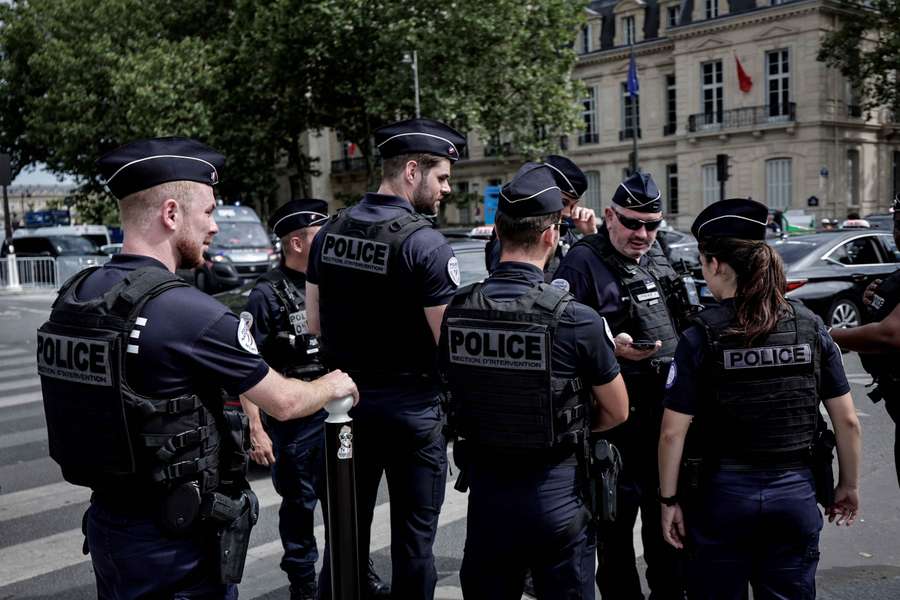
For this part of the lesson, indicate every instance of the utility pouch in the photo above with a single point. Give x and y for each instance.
(238, 516)
(606, 462)
(181, 508)
(460, 459)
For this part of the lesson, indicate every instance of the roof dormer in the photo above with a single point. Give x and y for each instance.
(629, 15)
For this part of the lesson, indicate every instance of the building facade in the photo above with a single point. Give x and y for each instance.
(792, 128)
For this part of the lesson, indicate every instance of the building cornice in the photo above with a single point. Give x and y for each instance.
(647, 48)
(767, 14)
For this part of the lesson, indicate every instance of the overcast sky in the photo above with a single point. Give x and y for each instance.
(39, 176)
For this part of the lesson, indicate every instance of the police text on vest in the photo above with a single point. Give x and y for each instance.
(498, 349)
(355, 253)
(79, 360)
(771, 356)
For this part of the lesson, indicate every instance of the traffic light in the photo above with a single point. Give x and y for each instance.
(721, 167)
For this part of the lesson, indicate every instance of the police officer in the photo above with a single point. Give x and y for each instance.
(378, 283)
(515, 350)
(577, 221)
(750, 374)
(878, 342)
(131, 362)
(293, 448)
(622, 273)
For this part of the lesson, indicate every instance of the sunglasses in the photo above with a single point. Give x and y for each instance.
(635, 224)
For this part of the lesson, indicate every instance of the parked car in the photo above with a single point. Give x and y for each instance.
(881, 221)
(111, 249)
(829, 271)
(98, 234)
(53, 246)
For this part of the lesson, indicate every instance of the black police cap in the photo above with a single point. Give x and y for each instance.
(297, 214)
(531, 192)
(419, 136)
(142, 164)
(735, 218)
(569, 178)
(639, 192)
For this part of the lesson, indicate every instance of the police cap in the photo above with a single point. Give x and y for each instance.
(639, 192)
(298, 214)
(419, 136)
(531, 192)
(142, 164)
(569, 178)
(736, 218)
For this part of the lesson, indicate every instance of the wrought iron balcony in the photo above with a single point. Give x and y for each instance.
(628, 133)
(348, 165)
(743, 117)
(588, 138)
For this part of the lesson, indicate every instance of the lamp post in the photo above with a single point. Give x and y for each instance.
(413, 59)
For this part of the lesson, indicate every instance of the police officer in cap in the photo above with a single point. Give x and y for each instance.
(379, 280)
(878, 342)
(750, 375)
(577, 220)
(133, 362)
(293, 448)
(515, 345)
(622, 273)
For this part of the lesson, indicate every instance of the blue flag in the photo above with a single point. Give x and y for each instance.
(633, 86)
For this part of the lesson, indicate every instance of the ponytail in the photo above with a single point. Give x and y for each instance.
(761, 282)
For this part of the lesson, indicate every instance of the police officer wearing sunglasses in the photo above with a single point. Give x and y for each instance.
(623, 274)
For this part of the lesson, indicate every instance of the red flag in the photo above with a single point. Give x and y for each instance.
(744, 81)
(351, 149)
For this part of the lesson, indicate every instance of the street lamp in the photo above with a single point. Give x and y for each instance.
(413, 59)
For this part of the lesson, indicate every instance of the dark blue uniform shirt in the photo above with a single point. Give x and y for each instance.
(189, 338)
(492, 248)
(266, 309)
(590, 281)
(686, 378)
(425, 254)
(583, 346)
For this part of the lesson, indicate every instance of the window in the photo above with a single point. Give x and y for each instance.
(673, 15)
(852, 177)
(860, 251)
(712, 9)
(628, 28)
(672, 188)
(710, 184)
(711, 93)
(592, 197)
(631, 115)
(671, 115)
(585, 39)
(893, 254)
(778, 83)
(589, 116)
(778, 183)
(854, 102)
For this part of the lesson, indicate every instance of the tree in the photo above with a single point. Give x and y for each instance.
(866, 50)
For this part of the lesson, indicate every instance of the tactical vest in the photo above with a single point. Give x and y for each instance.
(103, 433)
(883, 365)
(645, 291)
(497, 359)
(371, 325)
(758, 404)
(290, 348)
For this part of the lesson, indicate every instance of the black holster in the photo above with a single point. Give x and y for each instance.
(822, 457)
(236, 517)
(460, 459)
(605, 464)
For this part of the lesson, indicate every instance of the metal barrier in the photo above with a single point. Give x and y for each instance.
(46, 272)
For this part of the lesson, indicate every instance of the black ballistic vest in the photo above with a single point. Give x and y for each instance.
(371, 325)
(496, 357)
(104, 434)
(290, 349)
(883, 367)
(645, 291)
(759, 403)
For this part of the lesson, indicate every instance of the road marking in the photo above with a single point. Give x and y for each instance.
(7, 373)
(27, 359)
(20, 383)
(41, 499)
(17, 399)
(19, 438)
(13, 351)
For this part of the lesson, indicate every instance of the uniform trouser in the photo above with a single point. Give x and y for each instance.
(617, 576)
(299, 478)
(519, 521)
(893, 408)
(134, 559)
(407, 447)
(760, 528)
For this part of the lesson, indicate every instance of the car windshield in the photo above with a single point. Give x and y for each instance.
(73, 244)
(240, 235)
(471, 266)
(793, 250)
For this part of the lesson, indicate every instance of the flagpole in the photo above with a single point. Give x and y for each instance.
(634, 110)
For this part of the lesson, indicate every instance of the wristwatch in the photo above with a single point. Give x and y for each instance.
(667, 500)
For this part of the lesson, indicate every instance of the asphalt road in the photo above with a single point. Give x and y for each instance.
(40, 514)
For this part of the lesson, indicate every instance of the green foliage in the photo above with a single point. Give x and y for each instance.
(866, 49)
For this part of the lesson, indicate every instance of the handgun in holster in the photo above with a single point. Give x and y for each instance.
(821, 459)
(606, 463)
(461, 460)
(236, 517)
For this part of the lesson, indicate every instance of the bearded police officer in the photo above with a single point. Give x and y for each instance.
(747, 380)
(131, 363)
(622, 273)
(293, 448)
(378, 283)
(878, 342)
(577, 220)
(531, 372)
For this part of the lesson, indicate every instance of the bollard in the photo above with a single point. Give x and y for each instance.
(12, 271)
(343, 538)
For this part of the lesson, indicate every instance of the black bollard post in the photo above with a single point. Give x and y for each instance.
(343, 538)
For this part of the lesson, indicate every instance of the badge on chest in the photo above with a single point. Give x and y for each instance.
(299, 322)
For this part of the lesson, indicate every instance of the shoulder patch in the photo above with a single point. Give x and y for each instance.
(673, 374)
(453, 270)
(244, 335)
(561, 284)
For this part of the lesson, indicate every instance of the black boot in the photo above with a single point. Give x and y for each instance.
(378, 590)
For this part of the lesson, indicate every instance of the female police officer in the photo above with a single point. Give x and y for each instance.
(750, 374)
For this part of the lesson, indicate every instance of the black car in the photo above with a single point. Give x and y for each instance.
(829, 271)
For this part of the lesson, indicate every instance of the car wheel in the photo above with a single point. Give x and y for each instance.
(843, 313)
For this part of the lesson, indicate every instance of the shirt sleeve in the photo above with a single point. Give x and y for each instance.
(595, 346)
(589, 281)
(434, 265)
(684, 372)
(832, 378)
(315, 252)
(259, 306)
(219, 356)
